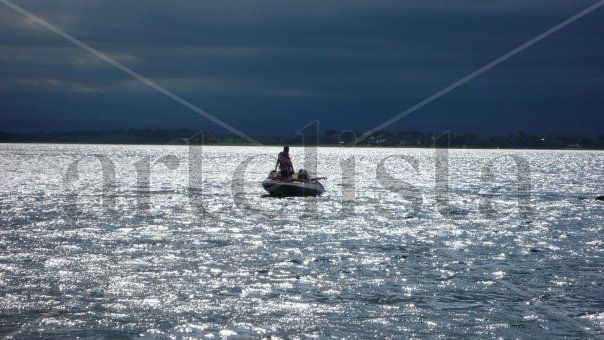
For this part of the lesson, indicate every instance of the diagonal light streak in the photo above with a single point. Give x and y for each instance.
(128, 71)
(481, 70)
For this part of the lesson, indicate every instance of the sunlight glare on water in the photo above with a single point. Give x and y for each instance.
(79, 257)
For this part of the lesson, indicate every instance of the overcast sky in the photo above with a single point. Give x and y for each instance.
(269, 67)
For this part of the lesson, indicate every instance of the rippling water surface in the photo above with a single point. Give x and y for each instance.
(87, 247)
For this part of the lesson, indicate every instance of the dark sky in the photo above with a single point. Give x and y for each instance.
(269, 67)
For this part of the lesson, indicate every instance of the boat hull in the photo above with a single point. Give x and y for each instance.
(278, 188)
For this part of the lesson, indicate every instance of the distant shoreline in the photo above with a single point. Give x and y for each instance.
(410, 140)
(300, 146)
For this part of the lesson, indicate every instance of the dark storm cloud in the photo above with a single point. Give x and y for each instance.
(352, 64)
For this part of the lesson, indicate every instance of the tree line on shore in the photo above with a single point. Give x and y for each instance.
(518, 140)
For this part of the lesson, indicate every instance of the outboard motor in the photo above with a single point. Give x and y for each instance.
(302, 174)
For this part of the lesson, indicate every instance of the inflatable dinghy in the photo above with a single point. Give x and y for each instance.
(295, 185)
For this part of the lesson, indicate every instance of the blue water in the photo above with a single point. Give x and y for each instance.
(206, 253)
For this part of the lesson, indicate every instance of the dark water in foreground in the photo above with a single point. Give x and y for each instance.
(373, 266)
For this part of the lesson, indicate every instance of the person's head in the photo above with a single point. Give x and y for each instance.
(286, 149)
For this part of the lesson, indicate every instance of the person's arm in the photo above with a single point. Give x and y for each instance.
(277, 165)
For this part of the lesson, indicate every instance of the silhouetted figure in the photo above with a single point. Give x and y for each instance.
(285, 163)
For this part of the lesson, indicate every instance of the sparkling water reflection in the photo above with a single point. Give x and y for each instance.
(78, 258)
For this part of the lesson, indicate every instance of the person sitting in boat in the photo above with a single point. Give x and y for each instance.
(285, 163)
